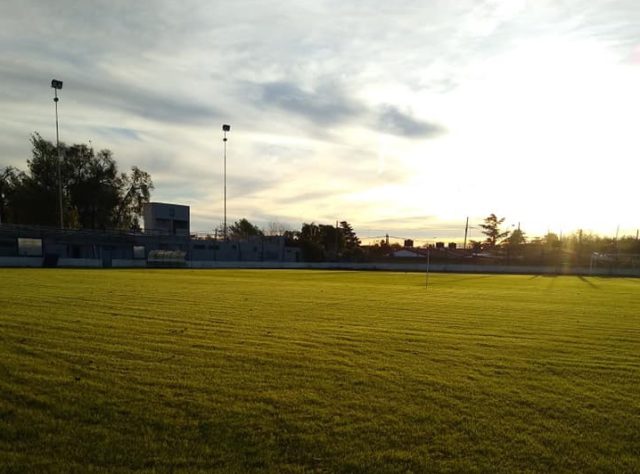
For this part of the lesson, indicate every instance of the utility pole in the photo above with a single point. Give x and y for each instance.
(466, 231)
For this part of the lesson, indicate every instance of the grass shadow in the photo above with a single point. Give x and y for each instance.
(470, 277)
(584, 280)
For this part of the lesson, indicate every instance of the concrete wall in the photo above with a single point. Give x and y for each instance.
(398, 267)
(23, 262)
(252, 250)
(122, 263)
(79, 263)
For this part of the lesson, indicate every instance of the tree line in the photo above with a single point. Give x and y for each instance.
(515, 247)
(317, 242)
(516, 242)
(95, 194)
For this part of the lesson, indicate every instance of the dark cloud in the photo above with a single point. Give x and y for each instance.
(324, 106)
(396, 122)
(242, 186)
(146, 103)
(329, 104)
(301, 197)
(118, 132)
(103, 92)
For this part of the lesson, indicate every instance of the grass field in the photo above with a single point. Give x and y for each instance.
(310, 371)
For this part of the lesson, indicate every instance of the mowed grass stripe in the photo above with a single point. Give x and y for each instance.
(291, 371)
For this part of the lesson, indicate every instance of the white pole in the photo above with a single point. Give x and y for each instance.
(224, 225)
(426, 282)
(55, 100)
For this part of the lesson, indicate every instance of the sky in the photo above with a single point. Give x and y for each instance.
(403, 118)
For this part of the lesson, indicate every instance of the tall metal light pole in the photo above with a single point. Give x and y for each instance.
(58, 85)
(225, 128)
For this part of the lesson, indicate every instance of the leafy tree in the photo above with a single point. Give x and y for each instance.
(8, 181)
(135, 190)
(311, 242)
(351, 242)
(491, 228)
(551, 240)
(95, 194)
(475, 245)
(91, 184)
(277, 229)
(320, 242)
(516, 239)
(243, 229)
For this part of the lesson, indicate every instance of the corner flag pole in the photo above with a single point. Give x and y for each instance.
(426, 281)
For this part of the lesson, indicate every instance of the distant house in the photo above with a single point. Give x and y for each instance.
(407, 253)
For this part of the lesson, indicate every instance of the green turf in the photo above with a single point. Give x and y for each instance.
(309, 371)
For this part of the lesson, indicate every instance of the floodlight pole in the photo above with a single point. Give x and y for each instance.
(225, 128)
(55, 84)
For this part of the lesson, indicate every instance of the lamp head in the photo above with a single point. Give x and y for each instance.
(226, 128)
(56, 84)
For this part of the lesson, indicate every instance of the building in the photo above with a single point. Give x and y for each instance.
(163, 218)
(49, 246)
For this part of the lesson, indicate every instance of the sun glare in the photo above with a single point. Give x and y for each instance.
(545, 130)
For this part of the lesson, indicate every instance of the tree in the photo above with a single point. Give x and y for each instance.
(243, 229)
(320, 242)
(552, 240)
(91, 184)
(276, 229)
(135, 189)
(351, 242)
(94, 193)
(491, 228)
(9, 178)
(310, 242)
(516, 239)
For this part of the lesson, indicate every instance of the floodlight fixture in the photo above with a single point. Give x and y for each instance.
(56, 84)
(225, 127)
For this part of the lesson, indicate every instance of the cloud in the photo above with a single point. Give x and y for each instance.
(117, 133)
(324, 106)
(144, 102)
(329, 104)
(392, 120)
